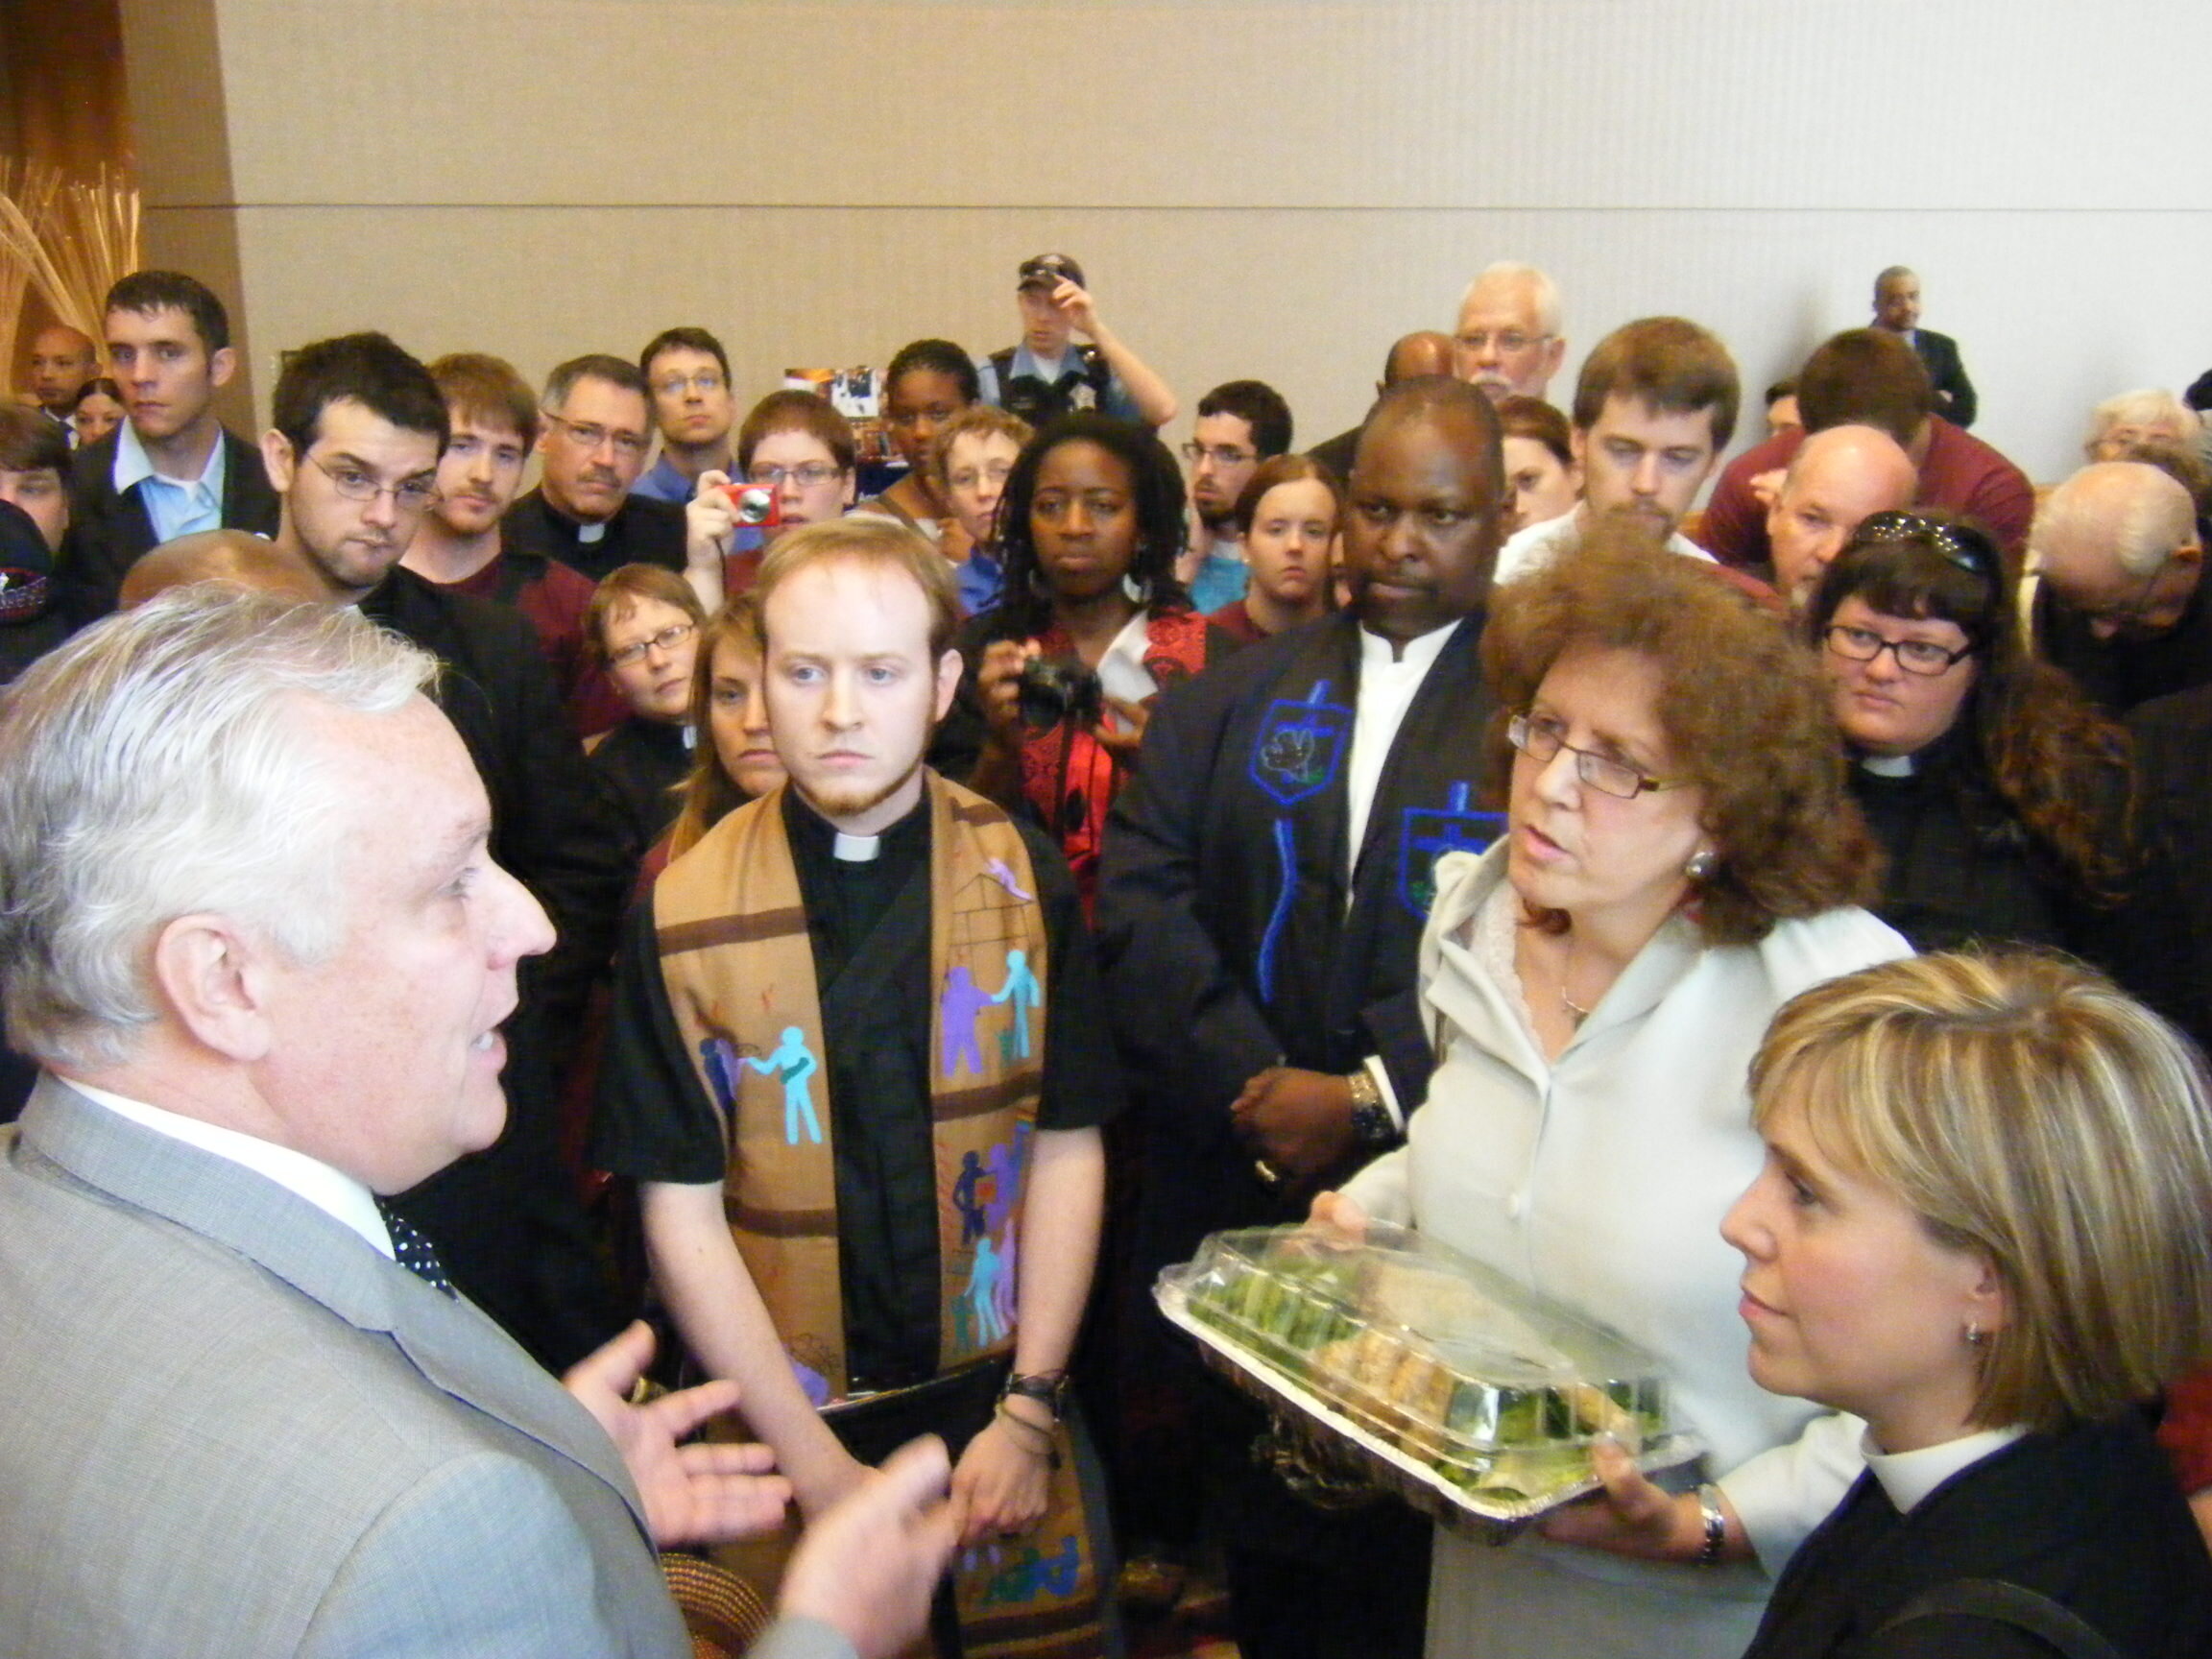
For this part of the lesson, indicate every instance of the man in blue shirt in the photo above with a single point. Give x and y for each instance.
(692, 403)
(170, 468)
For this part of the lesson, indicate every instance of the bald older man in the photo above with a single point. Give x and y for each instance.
(1837, 480)
(238, 558)
(61, 360)
(2121, 603)
(1411, 356)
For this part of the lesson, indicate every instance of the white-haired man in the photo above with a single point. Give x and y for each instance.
(247, 1414)
(1508, 332)
(2121, 603)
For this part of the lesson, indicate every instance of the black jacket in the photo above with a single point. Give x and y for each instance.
(108, 533)
(642, 532)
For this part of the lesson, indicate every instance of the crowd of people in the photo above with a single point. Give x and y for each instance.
(866, 918)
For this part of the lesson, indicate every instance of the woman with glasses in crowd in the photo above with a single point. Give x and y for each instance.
(1997, 1294)
(1998, 793)
(1678, 861)
(642, 629)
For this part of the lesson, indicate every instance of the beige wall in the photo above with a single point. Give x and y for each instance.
(1271, 189)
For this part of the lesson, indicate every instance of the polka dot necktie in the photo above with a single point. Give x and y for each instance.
(415, 1253)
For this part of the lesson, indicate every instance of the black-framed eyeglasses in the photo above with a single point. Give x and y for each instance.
(1220, 454)
(415, 494)
(1541, 739)
(589, 435)
(1961, 544)
(1914, 656)
(668, 639)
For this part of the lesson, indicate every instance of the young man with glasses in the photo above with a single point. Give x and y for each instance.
(1240, 423)
(688, 375)
(359, 427)
(598, 415)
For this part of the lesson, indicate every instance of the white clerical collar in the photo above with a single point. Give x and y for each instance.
(1908, 1476)
(337, 1194)
(590, 533)
(1377, 652)
(856, 849)
(1887, 765)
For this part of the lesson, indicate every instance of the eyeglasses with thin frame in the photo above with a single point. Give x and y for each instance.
(1914, 656)
(668, 639)
(1220, 454)
(589, 434)
(1541, 739)
(414, 494)
(1508, 340)
(2129, 613)
(706, 382)
(808, 474)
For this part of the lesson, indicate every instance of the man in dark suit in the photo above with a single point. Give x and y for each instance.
(1267, 876)
(1897, 308)
(170, 468)
(598, 426)
(248, 1414)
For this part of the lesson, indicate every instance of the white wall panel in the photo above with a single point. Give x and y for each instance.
(1275, 190)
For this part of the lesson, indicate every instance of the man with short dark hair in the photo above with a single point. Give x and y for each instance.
(35, 486)
(1870, 377)
(61, 360)
(248, 1413)
(1240, 423)
(170, 468)
(1266, 874)
(359, 425)
(598, 426)
(694, 405)
(1048, 375)
(461, 544)
(1654, 406)
(1898, 309)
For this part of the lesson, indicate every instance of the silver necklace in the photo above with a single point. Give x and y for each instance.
(1574, 1010)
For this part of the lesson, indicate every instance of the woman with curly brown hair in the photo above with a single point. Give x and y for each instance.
(1679, 860)
(1997, 791)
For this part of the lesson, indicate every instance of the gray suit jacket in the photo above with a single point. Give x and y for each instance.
(235, 1429)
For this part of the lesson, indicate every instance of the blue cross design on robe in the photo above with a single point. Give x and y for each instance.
(1299, 748)
(1426, 834)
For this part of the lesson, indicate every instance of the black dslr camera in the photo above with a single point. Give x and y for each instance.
(1056, 690)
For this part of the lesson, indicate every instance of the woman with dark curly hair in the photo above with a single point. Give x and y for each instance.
(1997, 791)
(1679, 860)
(1090, 624)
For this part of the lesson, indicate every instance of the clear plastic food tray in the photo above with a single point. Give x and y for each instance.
(1434, 1376)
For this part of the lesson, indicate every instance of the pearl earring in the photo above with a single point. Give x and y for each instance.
(1703, 863)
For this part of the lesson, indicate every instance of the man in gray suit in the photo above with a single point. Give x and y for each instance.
(249, 925)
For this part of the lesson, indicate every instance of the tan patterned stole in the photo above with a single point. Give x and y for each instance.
(740, 976)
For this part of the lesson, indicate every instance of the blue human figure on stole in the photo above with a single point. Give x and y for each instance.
(794, 1064)
(1024, 993)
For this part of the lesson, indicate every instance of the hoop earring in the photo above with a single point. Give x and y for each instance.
(1702, 864)
(1139, 593)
